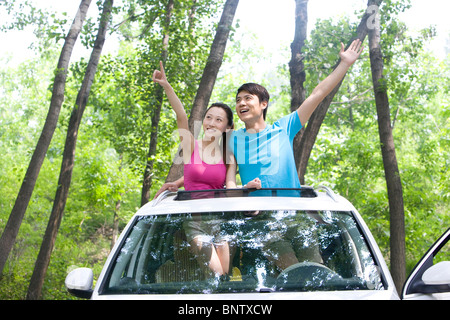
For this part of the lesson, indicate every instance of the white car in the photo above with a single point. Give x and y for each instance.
(279, 244)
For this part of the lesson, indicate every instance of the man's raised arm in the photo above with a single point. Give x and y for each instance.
(348, 57)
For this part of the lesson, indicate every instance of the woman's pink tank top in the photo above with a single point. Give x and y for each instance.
(199, 175)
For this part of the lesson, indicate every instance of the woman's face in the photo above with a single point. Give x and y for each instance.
(215, 122)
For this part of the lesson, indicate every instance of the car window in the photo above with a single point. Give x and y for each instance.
(443, 254)
(238, 252)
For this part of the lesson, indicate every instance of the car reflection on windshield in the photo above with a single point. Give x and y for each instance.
(243, 251)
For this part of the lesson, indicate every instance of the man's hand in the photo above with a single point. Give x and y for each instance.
(255, 183)
(350, 55)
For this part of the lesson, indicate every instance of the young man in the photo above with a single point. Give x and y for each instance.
(265, 151)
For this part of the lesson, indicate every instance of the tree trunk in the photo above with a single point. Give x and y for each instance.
(393, 181)
(304, 145)
(296, 66)
(43, 259)
(23, 198)
(156, 116)
(208, 79)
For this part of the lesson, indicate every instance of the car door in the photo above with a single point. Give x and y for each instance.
(430, 278)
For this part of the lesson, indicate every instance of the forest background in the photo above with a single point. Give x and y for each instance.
(115, 130)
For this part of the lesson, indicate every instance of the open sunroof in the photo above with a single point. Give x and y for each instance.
(303, 192)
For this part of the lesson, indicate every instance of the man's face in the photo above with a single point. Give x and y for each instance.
(248, 107)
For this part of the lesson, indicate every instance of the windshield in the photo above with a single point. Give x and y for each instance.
(238, 252)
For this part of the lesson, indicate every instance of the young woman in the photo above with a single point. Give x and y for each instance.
(205, 167)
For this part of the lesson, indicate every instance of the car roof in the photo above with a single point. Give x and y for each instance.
(320, 198)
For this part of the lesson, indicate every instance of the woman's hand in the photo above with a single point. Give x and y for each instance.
(159, 76)
(166, 186)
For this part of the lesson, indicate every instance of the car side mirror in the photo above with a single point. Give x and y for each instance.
(428, 278)
(438, 274)
(79, 282)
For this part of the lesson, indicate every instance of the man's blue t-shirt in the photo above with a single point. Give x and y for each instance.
(268, 155)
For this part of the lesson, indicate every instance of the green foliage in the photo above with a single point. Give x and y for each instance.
(347, 155)
(113, 139)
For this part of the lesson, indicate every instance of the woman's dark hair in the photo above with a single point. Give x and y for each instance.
(230, 123)
(257, 90)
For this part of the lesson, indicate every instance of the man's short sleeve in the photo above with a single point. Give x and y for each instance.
(291, 124)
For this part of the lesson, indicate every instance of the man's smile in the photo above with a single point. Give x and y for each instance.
(244, 110)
